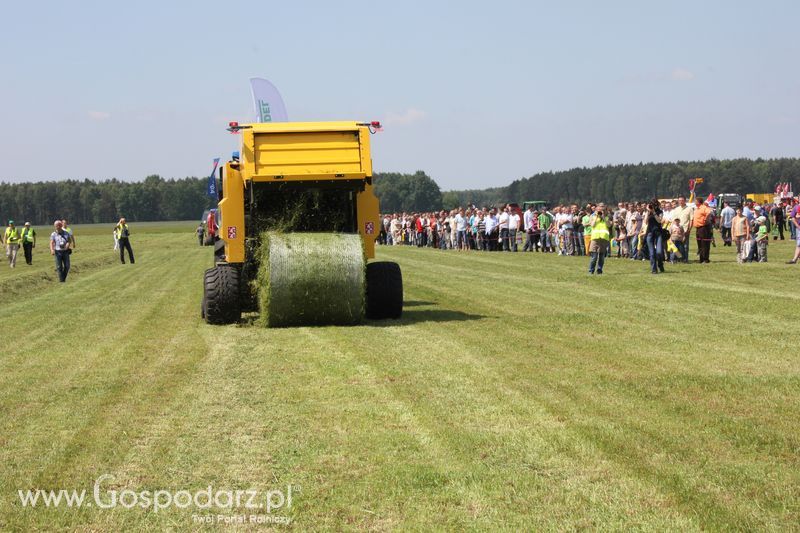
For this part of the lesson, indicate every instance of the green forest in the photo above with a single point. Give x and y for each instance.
(641, 181)
(84, 202)
(156, 198)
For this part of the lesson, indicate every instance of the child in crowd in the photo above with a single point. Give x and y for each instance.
(762, 239)
(621, 238)
(676, 236)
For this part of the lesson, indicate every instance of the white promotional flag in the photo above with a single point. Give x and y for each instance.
(267, 101)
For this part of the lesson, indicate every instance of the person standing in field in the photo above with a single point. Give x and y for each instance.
(28, 242)
(12, 238)
(676, 238)
(200, 231)
(69, 231)
(545, 221)
(59, 248)
(740, 233)
(123, 237)
(777, 215)
(587, 228)
(654, 238)
(794, 220)
(634, 227)
(513, 227)
(683, 212)
(725, 222)
(701, 222)
(762, 239)
(620, 237)
(601, 236)
(397, 229)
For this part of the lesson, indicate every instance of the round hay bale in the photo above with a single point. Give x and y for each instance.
(311, 279)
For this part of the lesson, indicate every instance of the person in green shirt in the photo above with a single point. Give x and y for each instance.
(587, 228)
(545, 220)
(762, 239)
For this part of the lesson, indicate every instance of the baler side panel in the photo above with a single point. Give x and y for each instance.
(231, 211)
(368, 219)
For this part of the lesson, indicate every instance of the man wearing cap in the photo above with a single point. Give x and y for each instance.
(28, 242)
(12, 238)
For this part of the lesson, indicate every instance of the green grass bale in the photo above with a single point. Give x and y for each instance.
(311, 279)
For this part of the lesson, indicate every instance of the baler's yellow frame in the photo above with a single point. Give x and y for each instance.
(308, 152)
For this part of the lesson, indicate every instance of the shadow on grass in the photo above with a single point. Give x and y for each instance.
(409, 317)
(417, 303)
(415, 316)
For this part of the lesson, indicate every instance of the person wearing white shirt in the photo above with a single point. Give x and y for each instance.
(397, 229)
(504, 228)
(491, 231)
(725, 223)
(527, 219)
(513, 226)
(461, 231)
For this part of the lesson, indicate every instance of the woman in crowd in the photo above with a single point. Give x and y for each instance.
(740, 233)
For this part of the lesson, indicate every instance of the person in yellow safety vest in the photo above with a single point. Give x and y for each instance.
(12, 238)
(600, 223)
(68, 229)
(122, 233)
(28, 242)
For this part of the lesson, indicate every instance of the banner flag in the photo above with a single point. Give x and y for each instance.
(212, 180)
(267, 101)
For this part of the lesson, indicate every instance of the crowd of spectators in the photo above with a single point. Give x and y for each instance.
(658, 231)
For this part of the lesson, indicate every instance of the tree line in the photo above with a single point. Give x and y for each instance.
(157, 198)
(84, 202)
(643, 181)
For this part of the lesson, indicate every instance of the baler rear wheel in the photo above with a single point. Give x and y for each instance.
(384, 290)
(221, 295)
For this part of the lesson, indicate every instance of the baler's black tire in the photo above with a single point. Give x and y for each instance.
(221, 294)
(384, 290)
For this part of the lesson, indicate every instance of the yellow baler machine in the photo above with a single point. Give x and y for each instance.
(280, 163)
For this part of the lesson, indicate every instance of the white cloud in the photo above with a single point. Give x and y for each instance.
(99, 115)
(409, 116)
(681, 74)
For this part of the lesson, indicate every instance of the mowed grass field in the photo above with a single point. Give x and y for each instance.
(516, 393)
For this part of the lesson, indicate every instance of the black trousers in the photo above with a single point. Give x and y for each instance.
(125, 244)
(27, 247)
(704, 243)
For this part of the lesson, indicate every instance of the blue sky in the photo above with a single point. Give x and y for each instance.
(474, 93)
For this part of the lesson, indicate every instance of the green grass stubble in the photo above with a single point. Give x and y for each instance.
(492, 404)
